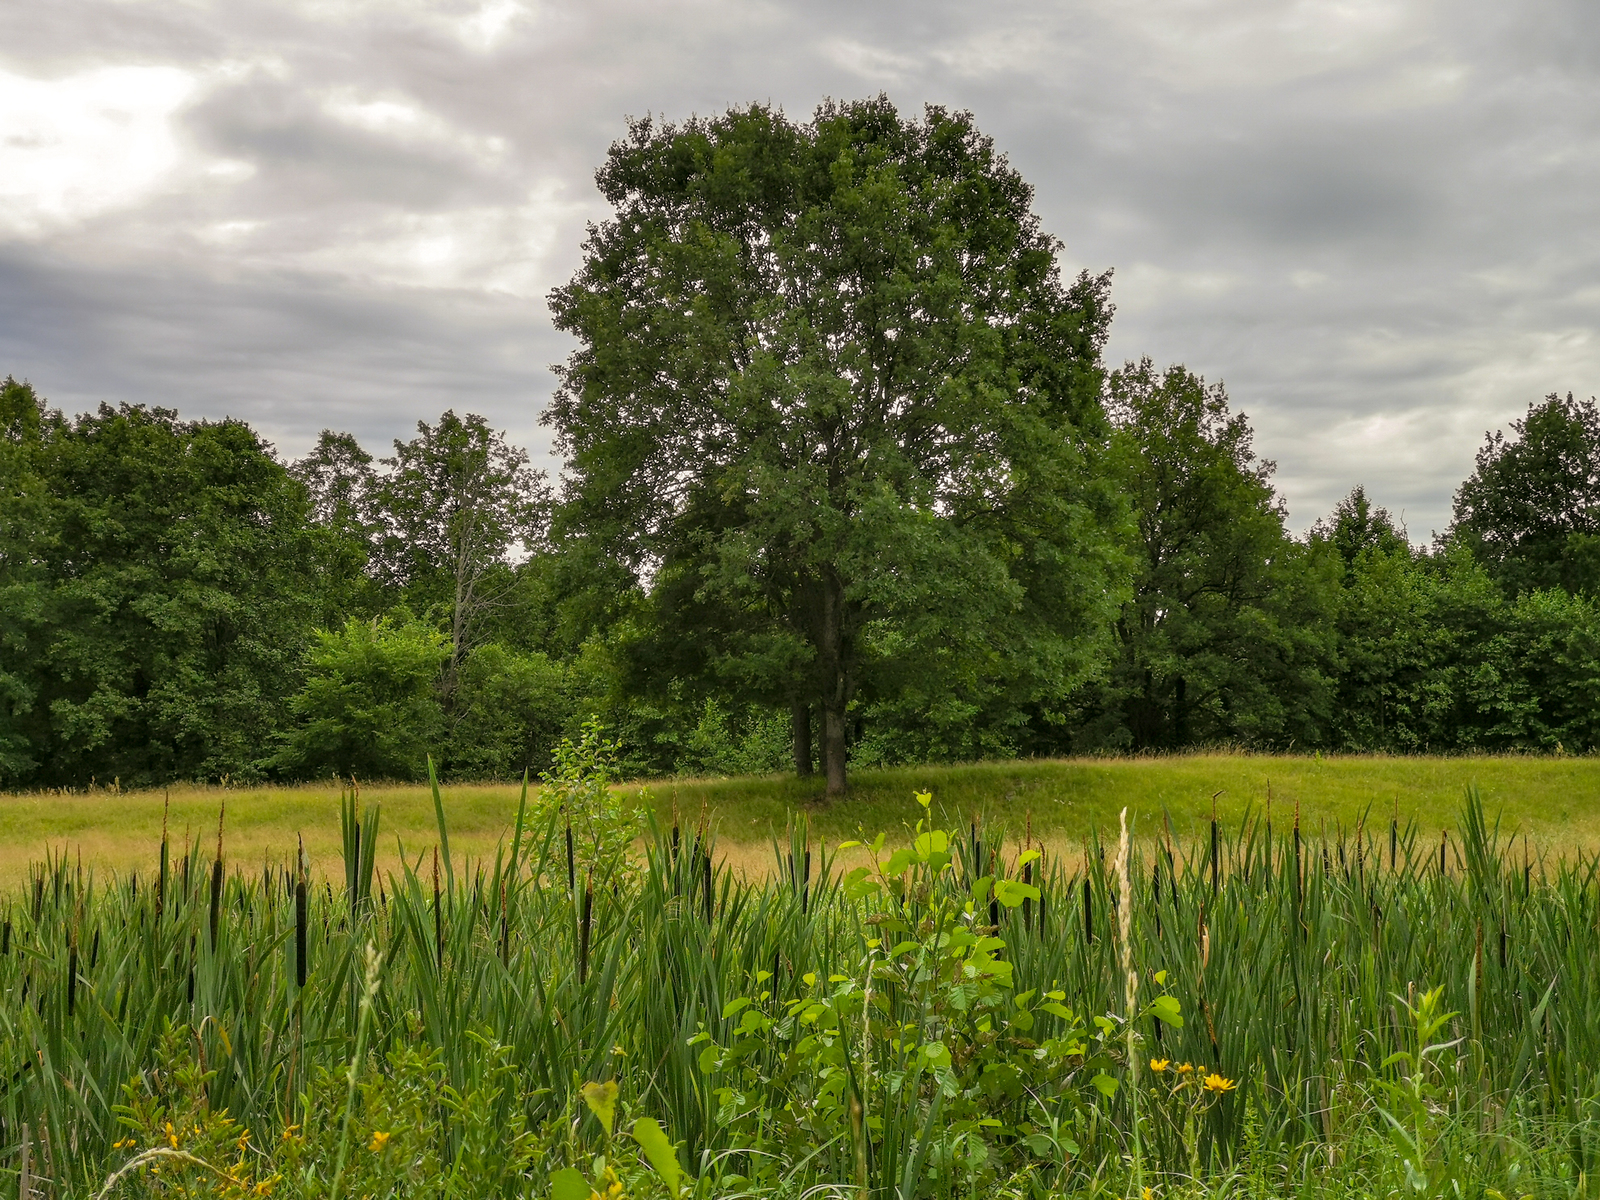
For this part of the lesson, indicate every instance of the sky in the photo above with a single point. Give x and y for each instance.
(1373, 220)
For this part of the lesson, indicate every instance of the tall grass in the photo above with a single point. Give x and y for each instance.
(1291, 952)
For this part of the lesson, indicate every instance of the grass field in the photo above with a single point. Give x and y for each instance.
(1554, 800)
(1311, 1015)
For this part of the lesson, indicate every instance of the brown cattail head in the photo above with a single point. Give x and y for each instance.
(585, 922)
(300, 923)
(216, 898)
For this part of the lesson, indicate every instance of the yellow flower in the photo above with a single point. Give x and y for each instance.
(289, 1131)
(1184, 1068)
(264, 1188)
(123, 1144)
(1149, 1194)
(244, 1139)
(380, 1139)
(1159, 1065)
(1216, 1083)
(172, 1135)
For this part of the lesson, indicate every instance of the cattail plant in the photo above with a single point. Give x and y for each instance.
(216, 882)
(301, 921)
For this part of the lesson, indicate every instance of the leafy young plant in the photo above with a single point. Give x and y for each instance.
(578, 790)
(1415, 1098)
(942, 1072)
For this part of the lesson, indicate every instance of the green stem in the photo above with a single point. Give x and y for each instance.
(355, 1066)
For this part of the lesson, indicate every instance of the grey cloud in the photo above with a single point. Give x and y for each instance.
(1379, 232)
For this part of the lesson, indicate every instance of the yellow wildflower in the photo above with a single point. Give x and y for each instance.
(380, 1139)
(289, 1131)
(124, 1144)
(172, 1135)
(264, 1188)
(1216, 1083)
(244, 1139)
(1149, 1194)
(1159, 1065)
(1184, 1068)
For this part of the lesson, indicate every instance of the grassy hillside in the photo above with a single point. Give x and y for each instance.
(1556, 801)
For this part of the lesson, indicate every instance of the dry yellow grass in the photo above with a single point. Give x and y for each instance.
(1556, 800)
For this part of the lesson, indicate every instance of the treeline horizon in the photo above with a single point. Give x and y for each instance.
(846, 483)
(187, 606)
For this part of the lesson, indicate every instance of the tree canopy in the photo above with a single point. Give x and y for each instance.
(1223, 637)
(1530, 512)
(158, 596)
(835, 403)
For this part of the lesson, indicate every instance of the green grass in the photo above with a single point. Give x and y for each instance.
(1555, 800)
(233, 998)
(1552, 799)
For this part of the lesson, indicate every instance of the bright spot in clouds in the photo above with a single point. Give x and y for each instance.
(85, 144)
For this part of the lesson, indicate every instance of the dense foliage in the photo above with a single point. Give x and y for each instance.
(835, 401)
(846, 481)
(1266, 1014)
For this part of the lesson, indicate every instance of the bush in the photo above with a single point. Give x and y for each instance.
(510, 708)
(368, 707)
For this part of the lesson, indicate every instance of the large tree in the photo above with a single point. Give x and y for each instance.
(1531, 510)
(1227, 636)
(457, 502)
(157, 595)
(832, 402)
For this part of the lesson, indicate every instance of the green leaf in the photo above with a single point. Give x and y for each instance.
(1040, 1144)
(733, 1006)
(1166, 1009)
(567, 1184)
(1105, 1084)
(1011, 893)
(602, 1101)
(653, 1141)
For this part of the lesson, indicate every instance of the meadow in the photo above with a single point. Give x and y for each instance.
(1554, 800)
(602, 1007)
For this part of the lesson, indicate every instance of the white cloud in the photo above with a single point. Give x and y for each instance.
(869, 62)
(87, 143)
(504, 250)
(484, 29)
(402, 119)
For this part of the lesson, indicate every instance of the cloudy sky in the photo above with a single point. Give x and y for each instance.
(1375, 220)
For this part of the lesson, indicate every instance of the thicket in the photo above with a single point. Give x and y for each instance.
(845, 481)
(1268, 1013)
(176, 603)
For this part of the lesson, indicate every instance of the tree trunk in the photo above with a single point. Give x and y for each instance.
(836, 685)
(801, 715)
(833, 742)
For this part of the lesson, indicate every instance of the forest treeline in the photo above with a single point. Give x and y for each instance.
(845, 481)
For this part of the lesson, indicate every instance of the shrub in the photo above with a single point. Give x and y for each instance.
(368, 707)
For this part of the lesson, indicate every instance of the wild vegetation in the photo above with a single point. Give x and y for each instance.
(846, 483)
(1256, 1012)
(846, 486)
